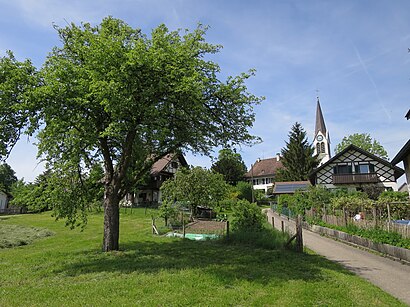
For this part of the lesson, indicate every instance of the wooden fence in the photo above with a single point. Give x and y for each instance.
(343, 218)
(13, 210)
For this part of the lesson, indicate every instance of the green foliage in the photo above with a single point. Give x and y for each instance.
(197, 187)
(7, 177)
(244, 190)
(17, 79)
(398, 202)
(247, 217)
(168, 211)
(35, 197)
(297, 203)
(297, 157)
(375, 235)
(372, 191)
(393, 196)
(111, 94)
(352, 202)
(230, 165)
(364, 141)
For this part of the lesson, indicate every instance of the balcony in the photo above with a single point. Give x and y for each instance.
(355, 178)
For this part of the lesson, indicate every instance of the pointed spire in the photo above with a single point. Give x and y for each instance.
(320, 122)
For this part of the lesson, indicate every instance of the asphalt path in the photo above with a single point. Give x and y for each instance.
(389, 275)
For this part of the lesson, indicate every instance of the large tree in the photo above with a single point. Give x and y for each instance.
(111, 94)
(364, 141)
(230, 165)
(298, 158)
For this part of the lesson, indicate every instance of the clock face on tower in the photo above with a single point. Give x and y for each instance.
(319, 138)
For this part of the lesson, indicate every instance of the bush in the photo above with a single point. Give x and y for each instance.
(168, 211)
(247, 217)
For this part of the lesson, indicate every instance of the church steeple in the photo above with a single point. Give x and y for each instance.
(322, 139)
(320, 122)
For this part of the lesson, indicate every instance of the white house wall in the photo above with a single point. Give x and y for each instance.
(3, 201)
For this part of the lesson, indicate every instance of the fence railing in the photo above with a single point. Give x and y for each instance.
(341, 220)
(13, 210)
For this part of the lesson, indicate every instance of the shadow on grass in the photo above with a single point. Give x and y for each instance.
(226, 262)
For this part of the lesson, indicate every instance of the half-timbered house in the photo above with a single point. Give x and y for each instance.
(353, 167)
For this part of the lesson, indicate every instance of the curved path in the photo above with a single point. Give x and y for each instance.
(389, 275)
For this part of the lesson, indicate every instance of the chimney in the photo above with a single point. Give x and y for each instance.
(258, 160)
(278, 157)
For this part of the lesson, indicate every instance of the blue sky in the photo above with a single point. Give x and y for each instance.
(355, 53)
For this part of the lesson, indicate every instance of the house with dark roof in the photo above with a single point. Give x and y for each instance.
(262, 173)
(404, 156)
(162, 170)
(353, 167)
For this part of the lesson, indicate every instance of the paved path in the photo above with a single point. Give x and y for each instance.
(391, 276)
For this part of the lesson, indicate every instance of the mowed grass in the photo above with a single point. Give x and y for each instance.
(68, 269)
(16, 235)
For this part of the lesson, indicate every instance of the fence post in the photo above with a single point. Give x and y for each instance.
(282, 223)
(273, 221)
(299, 238)
(388, 217)
(374, 211)
(183, 226)
(345, 215)
(227, 229)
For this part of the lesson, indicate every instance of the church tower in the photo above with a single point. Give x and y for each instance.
(322, 139)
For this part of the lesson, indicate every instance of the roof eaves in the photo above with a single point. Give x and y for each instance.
(402, 153)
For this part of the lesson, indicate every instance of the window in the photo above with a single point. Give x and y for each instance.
(342, 169)
(322, 147)
(364, 168)
(318, 148)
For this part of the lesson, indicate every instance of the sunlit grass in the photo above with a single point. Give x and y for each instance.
(69, 269)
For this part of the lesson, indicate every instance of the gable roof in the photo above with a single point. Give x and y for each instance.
(320, 121)
(164, 161)
(404, 152)
(397, 170)
(289, 187)
(265, 167)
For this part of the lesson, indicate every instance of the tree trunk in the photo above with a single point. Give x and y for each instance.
(111, 221)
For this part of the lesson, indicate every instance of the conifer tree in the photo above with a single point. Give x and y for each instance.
(297, 157)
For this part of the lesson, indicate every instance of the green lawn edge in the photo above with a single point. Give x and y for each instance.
(69, 269)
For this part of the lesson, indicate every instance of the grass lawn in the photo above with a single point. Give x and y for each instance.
(68, 269)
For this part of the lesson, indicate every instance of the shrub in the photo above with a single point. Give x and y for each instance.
(247, 216)
(168, 211)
